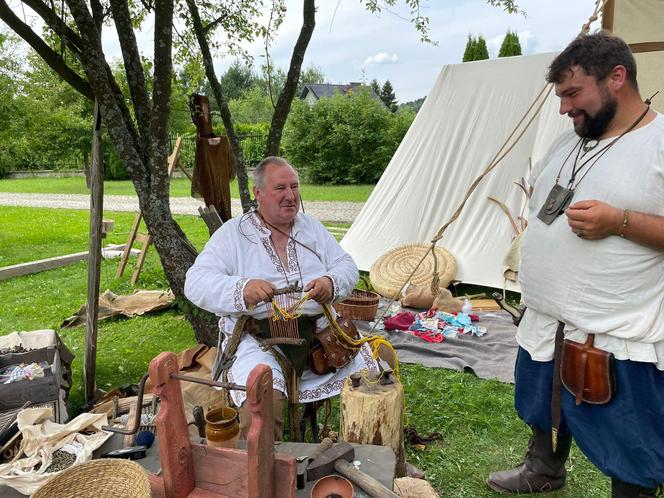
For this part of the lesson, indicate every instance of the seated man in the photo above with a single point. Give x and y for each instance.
(243, 264)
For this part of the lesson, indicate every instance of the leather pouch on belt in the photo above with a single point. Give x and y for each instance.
(588, 372)
(337, 351)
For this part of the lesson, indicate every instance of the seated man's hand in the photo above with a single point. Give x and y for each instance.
(320, 290)
(257, 291)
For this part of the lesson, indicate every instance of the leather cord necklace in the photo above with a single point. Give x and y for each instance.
(287, 235)
(559, 198)
(591, 161)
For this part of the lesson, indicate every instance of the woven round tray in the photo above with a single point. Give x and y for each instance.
(360, 305)
(104, 478)
(391, 271)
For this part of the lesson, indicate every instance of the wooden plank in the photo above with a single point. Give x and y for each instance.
(147, 240)
(94, 259)
(130, 242)
(208, 462)
(211, 218)
(174, 445)
(21, 269)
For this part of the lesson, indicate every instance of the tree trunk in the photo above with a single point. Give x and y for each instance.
(176, 255)
(287, 94)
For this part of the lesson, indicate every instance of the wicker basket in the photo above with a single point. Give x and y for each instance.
(360, 305)
(104, 478)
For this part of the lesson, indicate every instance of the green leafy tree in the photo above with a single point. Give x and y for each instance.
(510, 46)
(344, 140)
(413, 105)
(238, 79)
(388, 97)
(252, 107)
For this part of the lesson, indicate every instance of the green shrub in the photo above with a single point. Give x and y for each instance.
(342, 140)
(253, 138)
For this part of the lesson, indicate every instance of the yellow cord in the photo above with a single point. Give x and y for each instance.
(375, 341)
(279, 313)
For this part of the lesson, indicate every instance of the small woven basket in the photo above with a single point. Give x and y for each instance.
(104, 478)
(360, 305)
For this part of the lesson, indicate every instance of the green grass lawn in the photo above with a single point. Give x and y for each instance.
(180, 187)
(480, 429)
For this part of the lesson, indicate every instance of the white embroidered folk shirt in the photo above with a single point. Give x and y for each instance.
(242, 250)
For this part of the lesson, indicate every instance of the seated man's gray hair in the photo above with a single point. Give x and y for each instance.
(259, 171)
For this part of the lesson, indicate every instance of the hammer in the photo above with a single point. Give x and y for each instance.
(337, 459)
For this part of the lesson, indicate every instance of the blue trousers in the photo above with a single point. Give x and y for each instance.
(623, 438)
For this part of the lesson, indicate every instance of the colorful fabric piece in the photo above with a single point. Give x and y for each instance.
(434, 326)
(400, 321)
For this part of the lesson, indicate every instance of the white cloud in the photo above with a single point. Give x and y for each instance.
(381, 58)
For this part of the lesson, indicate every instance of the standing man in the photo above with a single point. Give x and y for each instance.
(242, 265)
(593, 263)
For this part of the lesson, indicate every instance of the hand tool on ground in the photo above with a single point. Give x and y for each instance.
(304, 461)
(337, 459)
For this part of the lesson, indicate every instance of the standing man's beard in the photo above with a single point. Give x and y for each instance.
(594, 127)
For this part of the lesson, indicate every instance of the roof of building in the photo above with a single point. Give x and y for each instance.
(319, 90)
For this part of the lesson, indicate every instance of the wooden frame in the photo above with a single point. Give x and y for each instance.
(194, 470)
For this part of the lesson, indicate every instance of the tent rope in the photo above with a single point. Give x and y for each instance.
(505, 149)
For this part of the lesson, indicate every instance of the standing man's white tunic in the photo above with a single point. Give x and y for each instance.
(242, 250)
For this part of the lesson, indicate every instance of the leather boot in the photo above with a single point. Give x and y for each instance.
(542, 470)
(620, 489)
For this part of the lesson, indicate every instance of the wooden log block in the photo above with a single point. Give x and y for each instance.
(373, 414)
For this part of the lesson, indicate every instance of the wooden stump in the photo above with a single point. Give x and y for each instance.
(373, 414)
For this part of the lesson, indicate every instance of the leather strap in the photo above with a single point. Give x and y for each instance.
(581, 373)
(556, 384)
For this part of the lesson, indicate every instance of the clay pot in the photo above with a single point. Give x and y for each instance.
(333, 485)
(222, 427)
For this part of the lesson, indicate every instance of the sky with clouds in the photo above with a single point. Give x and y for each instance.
(351, 44)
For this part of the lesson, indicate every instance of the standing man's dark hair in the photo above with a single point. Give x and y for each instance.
(597, 54)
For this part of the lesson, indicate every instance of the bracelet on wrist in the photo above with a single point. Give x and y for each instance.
(624, 223)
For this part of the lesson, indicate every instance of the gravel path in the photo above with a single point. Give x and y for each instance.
(344, 212)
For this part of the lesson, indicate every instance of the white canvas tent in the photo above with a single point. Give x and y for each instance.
(641, 24)
(466, 118)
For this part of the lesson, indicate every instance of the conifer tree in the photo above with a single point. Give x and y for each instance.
(469, 52)
(388, 97)
(510, 46)
(375, 86)
(481, 51)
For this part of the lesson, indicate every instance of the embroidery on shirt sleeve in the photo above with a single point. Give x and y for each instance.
(336, 289)
(238, 297)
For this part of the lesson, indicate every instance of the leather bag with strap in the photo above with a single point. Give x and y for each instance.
(587, 372)
(331, 347)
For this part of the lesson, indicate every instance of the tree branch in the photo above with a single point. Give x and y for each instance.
(52, 58)
(287, 94)
(57, 24)
(161, 91)
(114, 111)
(132, 64)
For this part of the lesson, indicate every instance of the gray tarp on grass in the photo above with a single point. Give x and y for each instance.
(489, 357)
